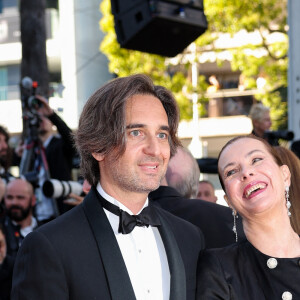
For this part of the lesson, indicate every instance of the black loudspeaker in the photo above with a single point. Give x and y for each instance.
(158, 27)
(121, 6)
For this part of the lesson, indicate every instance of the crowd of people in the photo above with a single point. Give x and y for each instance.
(145, 227)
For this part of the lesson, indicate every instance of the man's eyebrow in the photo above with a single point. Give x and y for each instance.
(138, 125)
(165, 127)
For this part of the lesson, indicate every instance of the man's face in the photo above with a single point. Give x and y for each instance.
(45, 126)
(144, 162)
(264, 124)
(206, 192)
(2, 247)
(3, 149)
(18, 200)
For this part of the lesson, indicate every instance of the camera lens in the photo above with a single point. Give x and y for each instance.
(34, 102)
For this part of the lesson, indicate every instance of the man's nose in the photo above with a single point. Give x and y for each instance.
(152, 146)
(3, 145)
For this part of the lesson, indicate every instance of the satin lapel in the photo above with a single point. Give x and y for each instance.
(114, 265)
(177, 270)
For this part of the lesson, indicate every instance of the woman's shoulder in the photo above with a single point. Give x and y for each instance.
(232, 249)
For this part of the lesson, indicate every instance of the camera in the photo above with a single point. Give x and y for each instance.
(30, 105)
(54, 188)
(273, 136)
(34, 103)
(28, 94)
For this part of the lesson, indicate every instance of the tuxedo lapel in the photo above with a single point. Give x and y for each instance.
(114, 265)
(177, 270)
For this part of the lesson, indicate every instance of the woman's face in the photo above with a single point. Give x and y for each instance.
(253, 182)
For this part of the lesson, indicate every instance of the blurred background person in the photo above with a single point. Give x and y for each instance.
(206, 191)
(19, 201)
(261, 120)
(292, 161)
(5, 153)
(182, 173)
(6, 268)
(214, 220)
(5, 163)
(60, 152)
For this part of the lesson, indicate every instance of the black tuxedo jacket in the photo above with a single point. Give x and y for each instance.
(76, 256)
(214, 220)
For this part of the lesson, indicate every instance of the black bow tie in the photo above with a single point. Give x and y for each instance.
(127, 222)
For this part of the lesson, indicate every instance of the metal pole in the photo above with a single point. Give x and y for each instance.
(294, 70)
(196, 144)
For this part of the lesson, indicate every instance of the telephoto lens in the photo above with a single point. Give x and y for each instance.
(54, 188)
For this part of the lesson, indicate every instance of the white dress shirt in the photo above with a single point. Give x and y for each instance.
(144, 256)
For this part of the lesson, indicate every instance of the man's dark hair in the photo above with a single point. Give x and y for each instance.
(102, 122)
(5, 133)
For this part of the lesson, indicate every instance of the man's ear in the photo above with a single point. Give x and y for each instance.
(286, 175)
(98, 156)
(33, 200)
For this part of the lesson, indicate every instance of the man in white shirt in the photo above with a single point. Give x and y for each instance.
(19, 201)
(115, 245)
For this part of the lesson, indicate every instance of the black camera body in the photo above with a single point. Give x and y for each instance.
(30, 104)
(273, 136)
(33, 103)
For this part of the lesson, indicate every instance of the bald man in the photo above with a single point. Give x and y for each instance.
(19, 201)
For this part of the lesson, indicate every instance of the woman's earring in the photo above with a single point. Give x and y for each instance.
(288, 203)
(234, 228)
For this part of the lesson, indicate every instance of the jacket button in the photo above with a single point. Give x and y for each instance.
(287, 296)
(272, 263)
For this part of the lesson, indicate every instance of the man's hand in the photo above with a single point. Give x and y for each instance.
(73, 199)
(45, 109)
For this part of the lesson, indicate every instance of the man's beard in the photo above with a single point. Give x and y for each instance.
(19, 215)
(3, 159)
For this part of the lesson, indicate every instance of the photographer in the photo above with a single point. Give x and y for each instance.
(5, 154)
(59, 153)
(261, 120)
(5, 163)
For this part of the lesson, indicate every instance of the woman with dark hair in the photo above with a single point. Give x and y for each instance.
(267, 264)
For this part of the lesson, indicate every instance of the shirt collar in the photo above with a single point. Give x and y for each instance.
(116, 202)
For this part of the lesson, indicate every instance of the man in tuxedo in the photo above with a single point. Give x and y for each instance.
(115, 245)
(214, 220)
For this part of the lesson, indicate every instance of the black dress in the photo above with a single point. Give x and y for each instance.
(241, 272)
